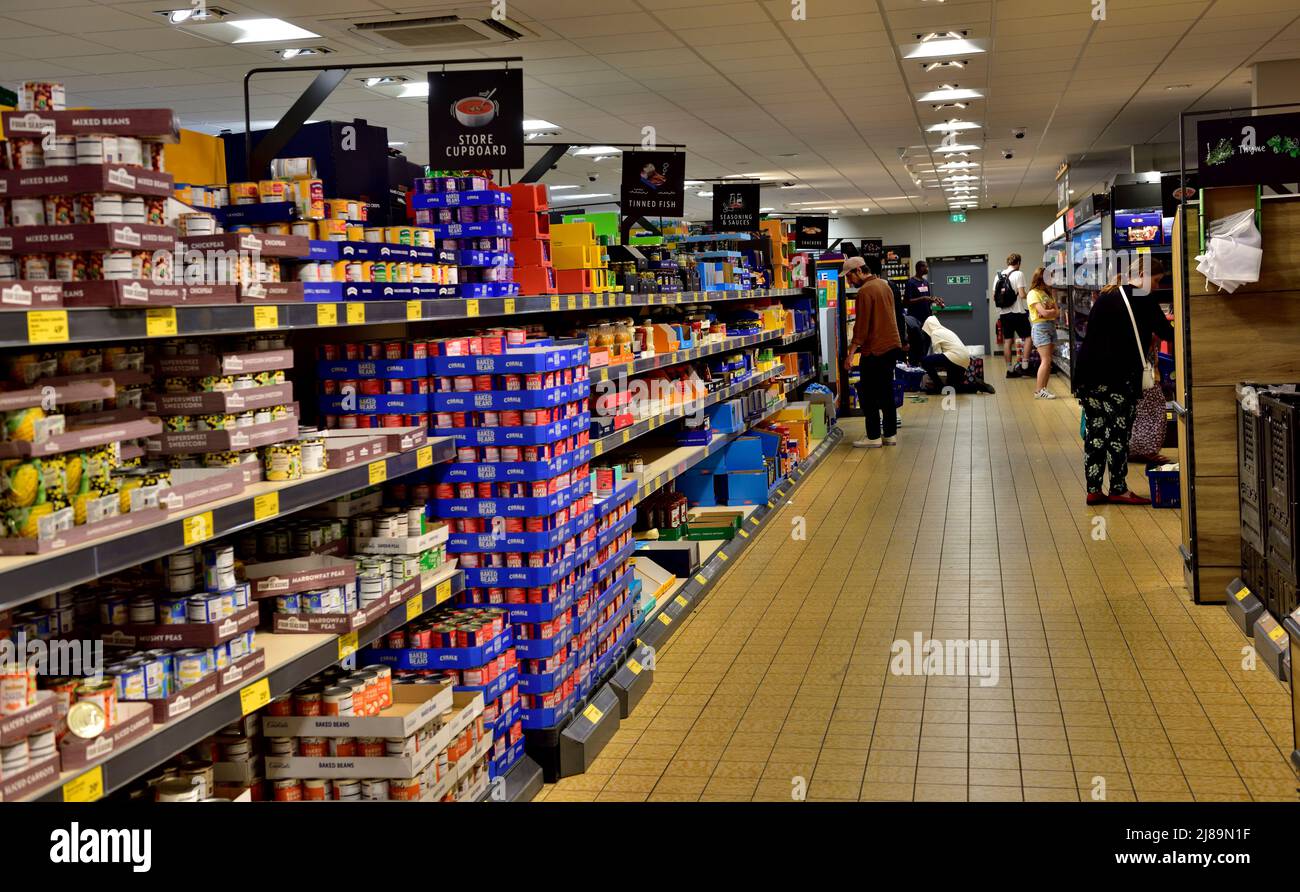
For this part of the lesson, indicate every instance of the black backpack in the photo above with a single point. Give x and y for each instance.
(1003, 294)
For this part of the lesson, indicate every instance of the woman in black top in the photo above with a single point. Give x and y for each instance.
(1107, 375)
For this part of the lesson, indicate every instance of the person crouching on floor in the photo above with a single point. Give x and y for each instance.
(948, 360)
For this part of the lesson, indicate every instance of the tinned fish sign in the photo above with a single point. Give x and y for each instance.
(476, 119)
(735, 207)
(654, 183)
(1247, 151)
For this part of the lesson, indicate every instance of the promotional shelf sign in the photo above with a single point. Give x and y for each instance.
(654, 183)
(476, 119)
(735, 207)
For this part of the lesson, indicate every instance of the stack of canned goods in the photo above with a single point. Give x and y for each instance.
(298, 537)
(337, 692)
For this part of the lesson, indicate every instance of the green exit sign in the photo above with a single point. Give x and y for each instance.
(957, 216)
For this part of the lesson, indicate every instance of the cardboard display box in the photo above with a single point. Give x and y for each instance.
(302, 574)
(414, 706)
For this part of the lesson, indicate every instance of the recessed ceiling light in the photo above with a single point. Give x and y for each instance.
(952, 126)
(293, 52)
(396, 144)
(765, 210)
(1173, 87)
(416, 90)
(952, 150)
(384, 80)
(934, 46)
(538, 124)
(940, 106)
(201, 13)
(957, 165)
(264, 30)
(583, 196)
(961, 178)
(949, 93)
(693, 183)
(793, 186)
(950, 63)
(597, 150)
(704, 194)
(562, 188)
(866, 210)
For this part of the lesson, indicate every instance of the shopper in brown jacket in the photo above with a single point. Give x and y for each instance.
(876, 335)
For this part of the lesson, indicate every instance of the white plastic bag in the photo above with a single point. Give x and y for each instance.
(1234, 251)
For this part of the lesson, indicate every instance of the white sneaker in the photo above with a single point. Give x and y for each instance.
(865, 443)
(891, 441)
(1044, 394)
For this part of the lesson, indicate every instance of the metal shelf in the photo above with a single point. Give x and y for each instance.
(101, 324)
(28, 577)
(623, 371)
(166, 740)
(646, 425)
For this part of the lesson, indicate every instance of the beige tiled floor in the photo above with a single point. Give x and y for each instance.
(1111, 682)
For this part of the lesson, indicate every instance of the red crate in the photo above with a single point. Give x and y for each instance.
(535, 279)
(528, 197)
(531, 252)
(530, 226)
(575, 281)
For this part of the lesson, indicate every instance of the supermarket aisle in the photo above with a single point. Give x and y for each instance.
(975, 527)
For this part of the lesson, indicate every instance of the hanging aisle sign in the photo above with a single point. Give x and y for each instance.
(476, 119)
(1248, 151)
(735, 207)
(653, 183)
(811, 233)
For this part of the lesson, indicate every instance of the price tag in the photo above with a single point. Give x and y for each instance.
(744, 534)
(424, 456)
(159, 321)
(555, 302)
(265, 506)
(1243, 594)
(356, 313)
(414, 607)
(254, 696)
(47, 326)
(600, 300)
(627, 435)
(701, 579)
(1277, 633)
(598, 447)
(573, 302)
(327, 314)
(414, 310)
(86, 787)
(196, 529)
(586, 301)
(682, 602)
(634, 667)
(754, 520)
(471, 308)
(378, 471)
(443, 591)
(347, 645)
(266, 317)
(665, 619)
(508, 305)
(723, 557)
(592, 714)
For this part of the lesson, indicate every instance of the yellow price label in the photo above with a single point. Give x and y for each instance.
(754, 521)
(1277, 633)
(723, 557)
(598, 448)
(378, 471)
(254, 696)
(600, 300)
(744, 534)
(327, 314)
(265, 506)
(1243, 593)
(508, 305)
(159, 321)
(347, 645)
(443, 592)
(627, 435)
(592, 714)
(424, 456)
(586, 301)
(681, 601)
(555, 302)
(701, 578)
(198, 528)
(665, 619)
(471, 307)
(266, 317)
(47, 326)
(356, 313)
(573, 302)
(414, 607)
(414, 310)
(634, 667)
(85, 787)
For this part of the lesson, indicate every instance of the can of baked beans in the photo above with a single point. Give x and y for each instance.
(315, 790)
(287, 790)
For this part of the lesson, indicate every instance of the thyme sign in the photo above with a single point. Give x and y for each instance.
(476, 119)
(1247, 151)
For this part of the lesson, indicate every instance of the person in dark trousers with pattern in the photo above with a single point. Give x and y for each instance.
(1108, 380)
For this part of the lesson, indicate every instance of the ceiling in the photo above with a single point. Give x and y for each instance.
(827, 102)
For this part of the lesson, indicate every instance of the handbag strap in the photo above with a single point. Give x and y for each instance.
(1137, 335)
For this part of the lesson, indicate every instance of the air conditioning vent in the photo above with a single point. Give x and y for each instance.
(427, 32)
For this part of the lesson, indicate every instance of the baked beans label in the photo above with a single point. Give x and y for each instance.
(254, 696)
(327, 314)
(267, 505)
(85, 788)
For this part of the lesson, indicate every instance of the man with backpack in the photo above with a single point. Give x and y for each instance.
(1013, 315)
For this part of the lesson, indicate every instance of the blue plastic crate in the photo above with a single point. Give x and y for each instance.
(1165, 488)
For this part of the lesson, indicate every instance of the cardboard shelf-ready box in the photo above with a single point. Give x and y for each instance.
(134, 720)
(152, 635)
(271, 578)
(414, 706)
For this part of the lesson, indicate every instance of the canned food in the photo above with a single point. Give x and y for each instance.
(315, 790)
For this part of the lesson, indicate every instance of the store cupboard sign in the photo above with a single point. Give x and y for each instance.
(735, 207)
(476, 119)
(1248, 151)
(653, 183)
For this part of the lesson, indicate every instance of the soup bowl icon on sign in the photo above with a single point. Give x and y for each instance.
(474, 111)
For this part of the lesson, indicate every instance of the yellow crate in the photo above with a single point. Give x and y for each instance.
(567, 234)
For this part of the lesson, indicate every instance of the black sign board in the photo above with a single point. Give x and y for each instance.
(654, 183)
(735, 207)
(1248, 151)
(1174, 191)
(476, 119)
(811, 233)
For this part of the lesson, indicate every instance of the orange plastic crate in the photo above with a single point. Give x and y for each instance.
(535, 279)
(531, 252)
(575, 281)
(528, 197)
(530, 226)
